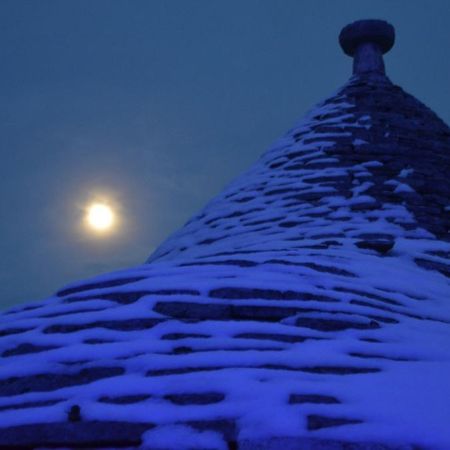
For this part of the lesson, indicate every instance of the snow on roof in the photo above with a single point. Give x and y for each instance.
(306, 304)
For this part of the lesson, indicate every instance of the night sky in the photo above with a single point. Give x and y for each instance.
(157, 105)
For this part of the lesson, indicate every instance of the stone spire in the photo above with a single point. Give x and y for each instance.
(367, 41)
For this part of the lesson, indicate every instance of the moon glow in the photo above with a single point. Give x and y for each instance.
(100, 217)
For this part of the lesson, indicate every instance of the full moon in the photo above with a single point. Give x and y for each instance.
(100, 216)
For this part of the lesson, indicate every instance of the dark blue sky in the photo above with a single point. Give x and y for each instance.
(158, 104)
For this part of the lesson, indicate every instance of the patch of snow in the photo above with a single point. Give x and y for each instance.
(404, 173)
(179, 436)
(402, 187)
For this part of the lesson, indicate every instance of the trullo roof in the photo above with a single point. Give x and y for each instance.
(307, 306)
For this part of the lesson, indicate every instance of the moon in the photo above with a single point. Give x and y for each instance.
(100, 217)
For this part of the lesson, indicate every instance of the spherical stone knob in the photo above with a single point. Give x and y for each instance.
(378, 32)
(367, 41)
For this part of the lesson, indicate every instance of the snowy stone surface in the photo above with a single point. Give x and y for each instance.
(306, 305)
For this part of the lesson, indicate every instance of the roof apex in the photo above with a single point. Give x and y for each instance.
(366, 41)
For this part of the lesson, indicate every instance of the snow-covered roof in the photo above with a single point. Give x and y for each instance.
(306, 306)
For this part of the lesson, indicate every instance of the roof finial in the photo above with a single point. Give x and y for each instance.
(367, 41)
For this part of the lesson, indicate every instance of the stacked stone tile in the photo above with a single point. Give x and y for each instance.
(307, 306)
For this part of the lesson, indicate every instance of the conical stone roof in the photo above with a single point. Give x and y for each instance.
(308, 305)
